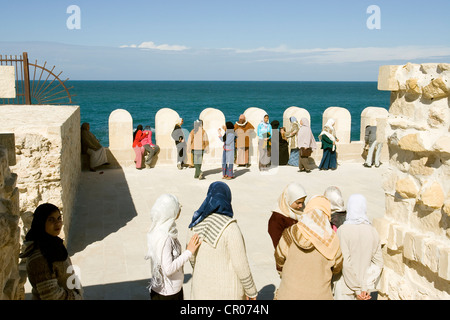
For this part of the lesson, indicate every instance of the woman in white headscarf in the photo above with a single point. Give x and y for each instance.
(289, 206)
(164, 250)
(338, 212)
(328, 139)
(361, 250)
(306, 144)
(291, 135)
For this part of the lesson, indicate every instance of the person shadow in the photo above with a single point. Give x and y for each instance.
(267, 292)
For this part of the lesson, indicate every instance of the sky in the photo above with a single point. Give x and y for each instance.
(282, 40)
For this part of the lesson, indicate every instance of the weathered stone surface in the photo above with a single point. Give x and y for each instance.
(432, 196)
(437, 89)
(442, 144)
(407, 188)
(413, 87)
(7, 82)
(412, 142)
(386, 78)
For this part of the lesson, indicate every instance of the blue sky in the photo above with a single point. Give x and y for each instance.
(226, 40)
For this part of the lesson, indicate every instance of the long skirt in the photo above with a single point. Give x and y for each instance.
(293, 158)
(97, 157)
(139, 151)
(329, 160)
(242, 156)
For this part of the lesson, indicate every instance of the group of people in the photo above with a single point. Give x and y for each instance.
(322, 249)
(143, 146)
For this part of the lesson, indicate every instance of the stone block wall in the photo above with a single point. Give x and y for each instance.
(11, 283)
(47, 147)
(416, 228)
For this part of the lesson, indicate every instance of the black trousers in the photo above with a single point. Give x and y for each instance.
(156, 296)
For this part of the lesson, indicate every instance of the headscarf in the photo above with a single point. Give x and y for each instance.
(334, 195)
(51, 247)
(163, 215)
(291, 193)
(218, 200)
(329, 131)
(314, 225)
(357, 210)
(305, 136)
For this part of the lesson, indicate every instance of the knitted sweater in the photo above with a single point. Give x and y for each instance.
(48, 285)
(220, 265)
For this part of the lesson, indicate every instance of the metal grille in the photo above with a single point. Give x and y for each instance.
(35, 84)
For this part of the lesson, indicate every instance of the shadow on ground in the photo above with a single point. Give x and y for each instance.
(103, 205)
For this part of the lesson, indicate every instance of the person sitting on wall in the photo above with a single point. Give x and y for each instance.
(92, 147)
(372, 145)
(150, 148)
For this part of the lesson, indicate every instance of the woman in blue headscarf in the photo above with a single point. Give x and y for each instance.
(220, 265)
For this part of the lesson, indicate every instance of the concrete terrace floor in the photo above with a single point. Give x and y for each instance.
(111, 217)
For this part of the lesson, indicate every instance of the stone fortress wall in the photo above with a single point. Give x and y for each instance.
(39, 166)
(415, 230)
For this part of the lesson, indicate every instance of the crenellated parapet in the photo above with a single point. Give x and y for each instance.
(121, 133)
(416, 228)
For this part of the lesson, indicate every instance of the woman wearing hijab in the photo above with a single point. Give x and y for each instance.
(264, 132)
(306, 144)
(198, 143)
(49, 268)
(164, 250)
(290, 205)
(338, 212)
(361, 249)
(92, 147)
(220, 266)
(228, 139)
(308, 255)
(293, 143)
(328, 138)
(139, 150)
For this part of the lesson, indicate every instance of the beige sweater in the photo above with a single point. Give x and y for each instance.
(305, 273)
(363, 260)
(220, 265)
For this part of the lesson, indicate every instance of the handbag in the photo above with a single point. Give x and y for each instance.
(305, 152)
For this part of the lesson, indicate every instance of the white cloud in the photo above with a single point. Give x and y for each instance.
(342, 55)
(150, 45)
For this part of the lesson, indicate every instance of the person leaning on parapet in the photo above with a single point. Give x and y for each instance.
(179, 136)
(290, 205)
(220, 266)
(92, 147)
(139, 150)
(361, 249)
(49, 268)
(228, 138)
(243, 130)
(199, 144)
(293, 142)
(329, 139)
(372, 145)
(264, 132)
(308, 255)
(150, 148)
(306, 144)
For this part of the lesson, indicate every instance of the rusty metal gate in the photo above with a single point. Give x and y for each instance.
(36, 84)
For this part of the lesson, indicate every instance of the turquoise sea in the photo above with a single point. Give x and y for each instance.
(143, 99)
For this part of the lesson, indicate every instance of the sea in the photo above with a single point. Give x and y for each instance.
(143, 99)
